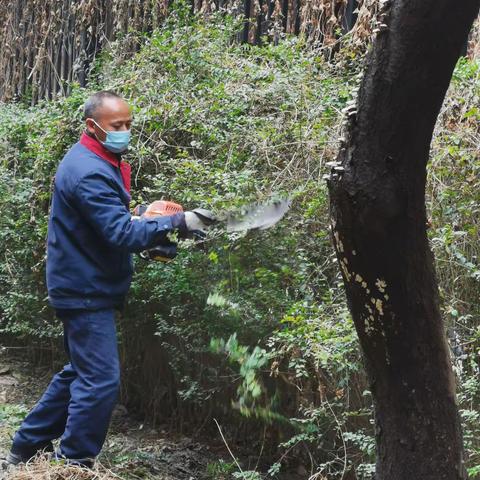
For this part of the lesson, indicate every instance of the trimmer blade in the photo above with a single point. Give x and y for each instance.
(258, 216)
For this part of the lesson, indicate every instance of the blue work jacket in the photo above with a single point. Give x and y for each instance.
(91, 234)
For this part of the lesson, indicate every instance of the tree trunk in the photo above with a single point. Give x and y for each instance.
(378, 216)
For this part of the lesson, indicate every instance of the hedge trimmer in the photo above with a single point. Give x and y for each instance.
(258, 216)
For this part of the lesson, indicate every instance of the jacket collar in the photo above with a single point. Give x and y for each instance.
(114, 159)
(96, 147)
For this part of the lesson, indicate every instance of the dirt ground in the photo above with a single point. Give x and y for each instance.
(133, 450)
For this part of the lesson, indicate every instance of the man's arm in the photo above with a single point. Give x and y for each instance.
(99, 202)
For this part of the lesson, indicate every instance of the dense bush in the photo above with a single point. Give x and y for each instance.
(454, 204)
(247, 328)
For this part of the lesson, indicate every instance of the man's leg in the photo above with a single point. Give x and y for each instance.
(92, 342)
(48, 418)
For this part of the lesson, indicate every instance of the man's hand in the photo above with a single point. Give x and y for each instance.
(199, 219)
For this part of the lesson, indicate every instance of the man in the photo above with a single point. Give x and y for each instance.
(91, 236)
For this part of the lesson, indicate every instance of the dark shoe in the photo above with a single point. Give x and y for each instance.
(23, 456)
(14, 459)
(79, 462)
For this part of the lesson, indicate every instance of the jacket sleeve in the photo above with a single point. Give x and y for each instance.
(99, 202)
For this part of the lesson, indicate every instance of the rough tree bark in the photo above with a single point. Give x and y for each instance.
(379, 219)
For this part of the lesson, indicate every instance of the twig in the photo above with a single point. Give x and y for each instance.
(228, 448)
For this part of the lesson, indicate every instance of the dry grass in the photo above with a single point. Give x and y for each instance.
(42, 468)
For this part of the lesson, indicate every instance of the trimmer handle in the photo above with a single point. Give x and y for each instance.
(168, 250)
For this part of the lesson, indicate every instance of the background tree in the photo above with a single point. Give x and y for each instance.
(46, 47)
(379, 226)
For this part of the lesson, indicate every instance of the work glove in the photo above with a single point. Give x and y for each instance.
(167, 250)
(199, 219)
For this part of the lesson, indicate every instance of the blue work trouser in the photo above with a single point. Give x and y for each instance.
(78, 403)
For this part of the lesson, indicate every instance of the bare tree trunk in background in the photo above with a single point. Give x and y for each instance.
(379, 229)
(47, 45)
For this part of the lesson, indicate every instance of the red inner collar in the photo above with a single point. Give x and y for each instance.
(98, 149)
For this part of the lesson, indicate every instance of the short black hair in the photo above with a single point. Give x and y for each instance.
(95, 102)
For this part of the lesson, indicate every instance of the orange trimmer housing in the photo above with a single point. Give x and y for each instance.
(159, 208)
(167, 251)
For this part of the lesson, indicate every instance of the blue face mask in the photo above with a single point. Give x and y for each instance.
(115, 142)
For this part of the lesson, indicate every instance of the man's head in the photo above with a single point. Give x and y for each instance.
(106, 112)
